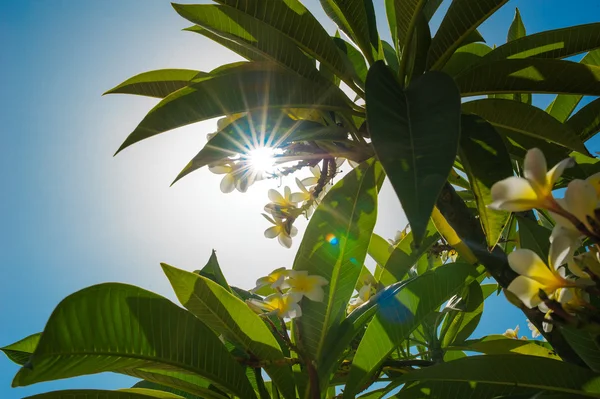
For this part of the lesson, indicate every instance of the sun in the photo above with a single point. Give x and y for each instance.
(262, 159)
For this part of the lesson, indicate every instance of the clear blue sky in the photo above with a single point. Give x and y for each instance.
(73, 216)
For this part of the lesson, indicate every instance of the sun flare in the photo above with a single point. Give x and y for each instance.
(262, 159)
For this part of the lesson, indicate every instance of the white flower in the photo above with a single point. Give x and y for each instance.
(281, 205)
(581, 201)
(364, 294)
(534, 331)
(283, 230)
(301, 284)
(515, 194)
(284, 306)
(238, 175)
(510, 333)
(274, 279)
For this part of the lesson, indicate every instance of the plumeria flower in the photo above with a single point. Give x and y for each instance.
(274, 279)
(364, 294)
(280, 305)
(238, 175)
(306, 195)
(581, 200)
(316, 175)
(571, 299)
(301, 284)
(282, 229)
(588, 260)
(534, 331)
(516, 194)
(534, 275)
(399, 236)
(510, 333)
(280, 205)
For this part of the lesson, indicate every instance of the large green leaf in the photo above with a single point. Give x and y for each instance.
(159, 83)
(486, 161)
(530, 75)
(246, 30)
(563, 105)
(586, 344)
(406, 14)
(357, 19)
(334, 247)
(152, 385)
(255, 130)
(517, 28)
(462, 18)
(534, 237)
(354, 57)
(213, 271)
(21, 351)
(398, 315)
(559, 43)
(431, 7)
(404, 256)
(501, 345)
(464, 57)
(240, 88)
(135, 393)
(415, 136)
(229, 316)
(459, 326)
(416, 57)
(118, 327)
(524, 119)
(492, 376)
(586, 122)
(379, 249)
(291, 18)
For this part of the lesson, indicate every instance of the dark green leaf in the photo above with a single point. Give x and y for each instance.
(462, 18)
(151, 385)
(406, 14)
(534, 237)
(418, 49)
(415, 136)
(21, 351)
(501, 345)
(354, 57)
(586, 122)
(464, 57)
(213, 271)
(461, 326)
(158, 83)
(431, 7)
(524, 119)
(391, 58)
(398, 315)
(486, 161)
(334, 247)
(586, 344)
(240, 88)
(135, 393)
(118, 327)
(517, 28)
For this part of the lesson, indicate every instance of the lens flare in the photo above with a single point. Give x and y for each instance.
(332, 239)
(262, 159)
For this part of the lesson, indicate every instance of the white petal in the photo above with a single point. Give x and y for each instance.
(272, 232)
(576, 270)
(287, 192)
(301, 185)
(228, 183)
(526, 290)
(293, 311)
(267, 216)
(556, 172)
(285, 240)
(298, 197)
(316, 294)
(316, 171)
(581, 199)
(275, 196)
(220, 169)
(528, 263)
(535, 168)
(293, 231)
(513, 194)
(310, 181)
(547, 327)
(561, 249)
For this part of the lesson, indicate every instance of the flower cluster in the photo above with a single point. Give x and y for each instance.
(290, 286)
(364, 294)
(558, 287)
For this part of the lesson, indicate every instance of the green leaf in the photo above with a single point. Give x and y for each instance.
(406, 14)
(418, 49)
(240, 88)
(159, 83)
(398, 315)
(415, 136)
(486, 161)
(563, 105)
(586, 122)
(229, 316)
(501, 345)
(524, 119)
(247, 31)
(464, 57)
(404, 256)
(334, 247)
(431, 7)
(461, 326)
(391, 58)
(586, 344)
(21, 351)
(534, 237)
(379, 249)
(118, 327)
(354, 58)
(559, 43)
(152, 385)
(136, 393)
(462, 18)
(493, 376)
(530, 76)
(213, 271)
(357, 19)
(517, 28)
(292, 19)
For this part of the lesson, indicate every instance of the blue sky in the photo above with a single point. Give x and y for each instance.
(73, 215)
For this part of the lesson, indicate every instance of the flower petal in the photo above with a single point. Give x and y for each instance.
(298, 197)
(556, 172)
(535, 169)
(293, 231)
(272, 232)
(220, 169)
(316, 171)
(561, 249)
(527, 263)
(581, 199)
(527, 290)
(285, 240)
(287, 192)
(274, 196)
(228, 183)
(316, 294)
(309, 181)
(294, 310)
(513, 194)
(317, 280)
